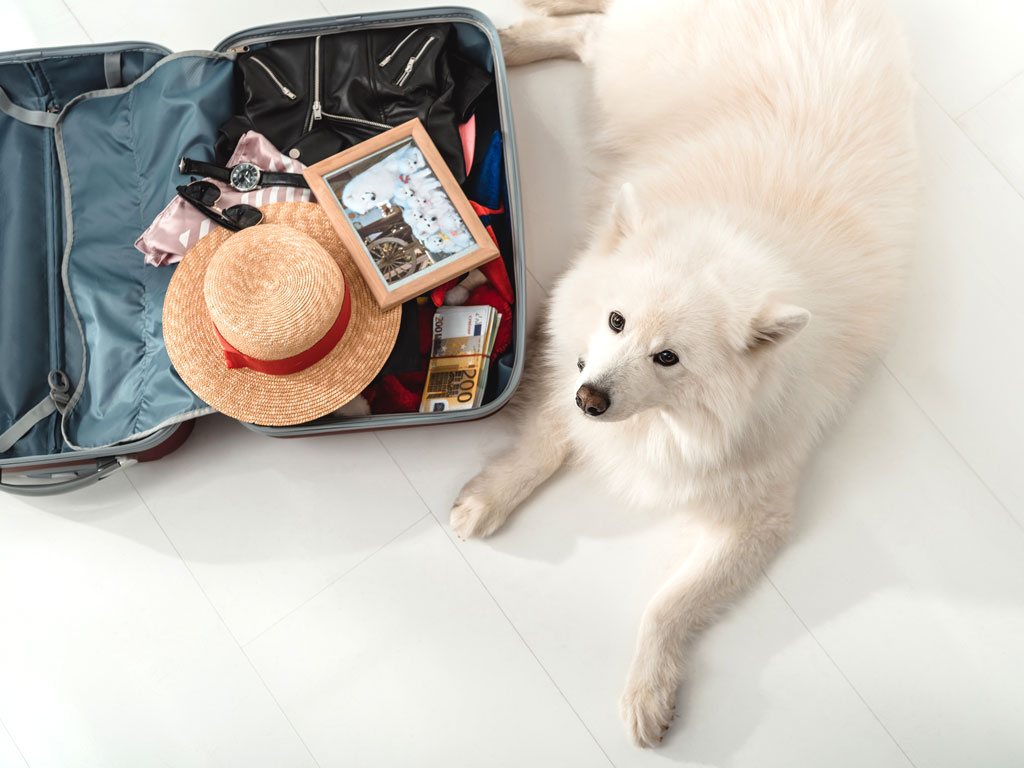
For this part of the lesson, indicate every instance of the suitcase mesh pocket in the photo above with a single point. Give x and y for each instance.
(119, 155)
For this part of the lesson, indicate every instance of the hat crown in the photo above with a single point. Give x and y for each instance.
(273, 291)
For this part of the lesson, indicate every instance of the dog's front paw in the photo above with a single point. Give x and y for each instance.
(477, 513)
(647, 708)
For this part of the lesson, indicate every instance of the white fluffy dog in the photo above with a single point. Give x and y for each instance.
(396, 176)
(754, 217)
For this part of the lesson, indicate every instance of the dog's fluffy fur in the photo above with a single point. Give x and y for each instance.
(754, 215)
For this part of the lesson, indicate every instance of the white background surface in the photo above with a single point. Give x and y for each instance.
(253, 602)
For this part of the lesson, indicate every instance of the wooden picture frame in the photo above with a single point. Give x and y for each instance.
(385, 202)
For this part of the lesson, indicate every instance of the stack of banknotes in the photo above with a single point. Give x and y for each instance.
(460, 355)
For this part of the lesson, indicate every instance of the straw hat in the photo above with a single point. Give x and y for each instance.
(274, 325)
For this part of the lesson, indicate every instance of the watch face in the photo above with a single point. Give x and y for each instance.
(245, 177)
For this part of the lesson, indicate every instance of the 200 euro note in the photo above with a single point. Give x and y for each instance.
(463, 339)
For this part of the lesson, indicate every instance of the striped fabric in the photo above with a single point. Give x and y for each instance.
(179, 226)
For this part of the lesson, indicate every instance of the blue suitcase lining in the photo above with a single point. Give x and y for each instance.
(121, 150)
(118, 150)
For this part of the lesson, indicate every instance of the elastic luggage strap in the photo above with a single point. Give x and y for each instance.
(29, 116)
(20, 428)
(55, 400)
(112, 69)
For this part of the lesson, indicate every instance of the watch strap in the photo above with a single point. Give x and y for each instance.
(267, 178)
(276, 179)
(199, 168)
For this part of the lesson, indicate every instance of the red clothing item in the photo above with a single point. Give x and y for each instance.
(401, 393)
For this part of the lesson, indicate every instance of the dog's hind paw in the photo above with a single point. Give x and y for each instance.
(475, 515)
(647, 710)
(540, 38)
(517, 43)
(566, 7)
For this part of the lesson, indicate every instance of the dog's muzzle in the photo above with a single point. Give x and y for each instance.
(591, 401)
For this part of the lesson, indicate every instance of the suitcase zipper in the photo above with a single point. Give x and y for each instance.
(56, 331)
(284, 89)
(412, 61)
(387, 59)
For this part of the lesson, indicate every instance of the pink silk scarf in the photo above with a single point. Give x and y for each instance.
(179, 226)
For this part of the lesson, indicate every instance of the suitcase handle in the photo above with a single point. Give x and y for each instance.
(101, 471)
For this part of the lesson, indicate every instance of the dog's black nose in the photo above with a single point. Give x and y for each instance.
(592, 402)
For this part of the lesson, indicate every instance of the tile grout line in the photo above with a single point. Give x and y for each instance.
(494, 600)
(11, 737)
(885, 364)
(540, 285)
(225, 625)
(839, 669)
(995, 167)
(522, 639)
(949, 442)
(986, 271)
(970, 139)
(79, 23)
(988, 158)
(335, 580)
(985, 98)
(181, 557)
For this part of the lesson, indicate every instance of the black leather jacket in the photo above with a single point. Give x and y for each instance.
(314, 97)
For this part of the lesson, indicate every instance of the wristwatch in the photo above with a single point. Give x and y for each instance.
(244, 177)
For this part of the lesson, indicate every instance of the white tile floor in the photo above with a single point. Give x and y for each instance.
(252, 602)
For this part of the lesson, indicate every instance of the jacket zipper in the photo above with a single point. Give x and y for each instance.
(357, 120)
(284, 89)
(317, 111)
(412, 61)
(387, 59)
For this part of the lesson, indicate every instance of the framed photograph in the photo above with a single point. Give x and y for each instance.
(400, 211)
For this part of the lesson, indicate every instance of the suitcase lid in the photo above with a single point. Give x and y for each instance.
(84, 363)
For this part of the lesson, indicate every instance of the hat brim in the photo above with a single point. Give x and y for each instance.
(261, 398)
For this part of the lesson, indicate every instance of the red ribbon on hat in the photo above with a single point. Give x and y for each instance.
(295, 363)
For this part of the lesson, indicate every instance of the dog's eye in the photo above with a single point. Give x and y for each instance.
(616, 322)
(666, 357)
(580, 364)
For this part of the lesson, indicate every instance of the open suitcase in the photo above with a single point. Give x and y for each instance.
(90, 138)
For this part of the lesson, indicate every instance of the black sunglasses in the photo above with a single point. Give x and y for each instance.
(203, 195)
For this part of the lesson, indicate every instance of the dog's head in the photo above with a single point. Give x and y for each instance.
(677, 312)
(410, 161)
(368, 189)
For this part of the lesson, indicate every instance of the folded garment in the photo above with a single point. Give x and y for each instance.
(315, 96)
(488, 182)
(179, 226)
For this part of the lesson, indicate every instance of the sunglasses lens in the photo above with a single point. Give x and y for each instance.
(204, 192)
(243, 215)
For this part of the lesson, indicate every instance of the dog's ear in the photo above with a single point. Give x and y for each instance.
(776, 324)
(626, 212)
(626, 219)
